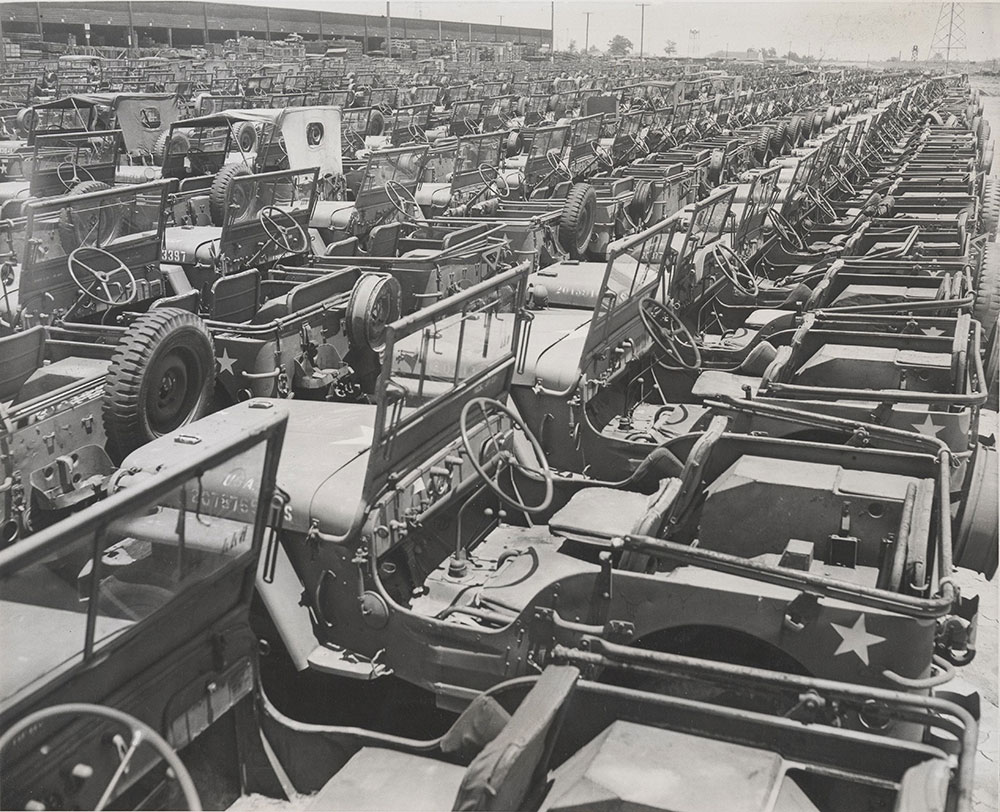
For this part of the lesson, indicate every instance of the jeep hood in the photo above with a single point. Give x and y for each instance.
(323, 463)
(323, 460)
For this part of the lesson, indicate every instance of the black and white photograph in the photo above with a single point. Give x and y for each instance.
(569, 406)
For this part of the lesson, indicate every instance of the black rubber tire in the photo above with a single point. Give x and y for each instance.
(161, 377)
(975, 527)
(818, 124)
(642, 201)
(514, 143)
(219, 193)
(576, 223)
(179, 144)
(991, 208)
(986, 161)
(986, 307)
(795, 131)
(245, 135)
(376, 123)
(779, 138)
(375, 303)
(85, 187)
(763, 144)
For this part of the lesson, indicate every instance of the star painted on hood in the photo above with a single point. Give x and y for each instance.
(855, 638)
(933, 331)
(928, 426)
(226, 363)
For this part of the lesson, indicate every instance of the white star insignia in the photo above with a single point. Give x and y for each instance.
(226, 363)
(932, 331)
(855, 638)
(928, 427)
(365, 438)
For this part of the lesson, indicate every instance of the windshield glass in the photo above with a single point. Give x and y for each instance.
(404, 166)
(66, 151)
(73, 590)
(476, 150)
(435, 353)
(105, 220)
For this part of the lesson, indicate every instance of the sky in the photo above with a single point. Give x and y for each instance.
(833, 30)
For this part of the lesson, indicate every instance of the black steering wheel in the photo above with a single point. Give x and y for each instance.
(80, 270)
(139, 733)
(283, 230)
(669, 333)
(785, 230)
(416, 132)
(558, 164)
(736, 270)
(400, 197)
(493, 184)
(502, 456)
(603, 156)
(77, 174)
(820, 202)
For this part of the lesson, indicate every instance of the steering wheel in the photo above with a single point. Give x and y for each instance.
(75, 174)
(785, 230)
(669, 333)
(736, 270)
(493, 184)
(399, 196)
(603, 156)
(416, 132)
(488, 408)
(558, 164)
(820, 202)
(101, 279)
(844, 183)
(140, 733)
(283, 230)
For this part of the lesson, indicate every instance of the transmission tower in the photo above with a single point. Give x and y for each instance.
(949, 34)
(694, 42)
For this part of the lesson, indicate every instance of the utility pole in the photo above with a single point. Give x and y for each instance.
(388, 30)
(642, 34)
(552, 31)
(586, 38)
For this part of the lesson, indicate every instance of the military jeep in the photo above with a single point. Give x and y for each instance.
(411, 540)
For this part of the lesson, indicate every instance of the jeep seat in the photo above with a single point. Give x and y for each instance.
(335, 214)
(21, 354)
(377, 779)
(676, 771)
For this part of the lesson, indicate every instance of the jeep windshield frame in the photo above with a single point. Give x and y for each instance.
(124, 221)
(73, 557)
(637, 267)
(95, 153)
(391, 165)
(466, 345)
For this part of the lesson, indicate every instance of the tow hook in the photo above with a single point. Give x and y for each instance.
(955, 639)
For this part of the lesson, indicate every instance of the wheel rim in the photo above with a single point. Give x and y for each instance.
(172, 396)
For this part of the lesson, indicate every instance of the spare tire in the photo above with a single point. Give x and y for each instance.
(375, 303)
(218, 195)
(795, 131)
(763, 144)
(641, 204)
(245, 135)
(376, 123)
(85, 187)
(161, 377)
(179, 144)
(986, 306)
(576, 223)
(514, 144)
